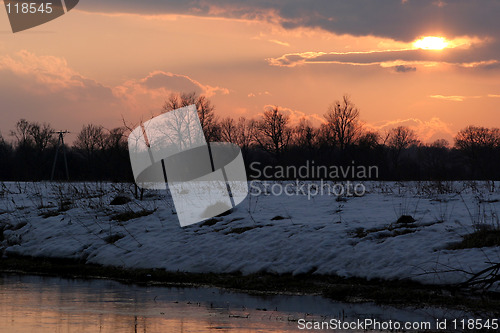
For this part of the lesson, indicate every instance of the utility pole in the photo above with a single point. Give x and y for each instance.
(60, 143)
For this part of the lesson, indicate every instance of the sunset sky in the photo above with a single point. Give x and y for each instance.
(105, 60)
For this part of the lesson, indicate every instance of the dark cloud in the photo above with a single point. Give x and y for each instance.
(405, 69)
(396, 19)
(65, 106)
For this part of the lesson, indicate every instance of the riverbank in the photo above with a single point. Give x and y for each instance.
(351, 290)
(400, 243)
(396, 231)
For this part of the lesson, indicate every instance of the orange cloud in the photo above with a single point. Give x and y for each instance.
(402, 54)
(265, 93)
(168, 82)
(275, 41)
(46, 88)
(427, 131)
(453, 98)
(150, 92)
(44, 74)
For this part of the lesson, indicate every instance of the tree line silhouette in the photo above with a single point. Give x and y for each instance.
(102, 154)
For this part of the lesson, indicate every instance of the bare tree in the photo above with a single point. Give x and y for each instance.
(205, 109)
(42, 135)
(435, 159)
(246, 132)
(33, 135)
(401, 137)
(398, 139)
(239, 132)
(22, 134)
(115, 139)
(4, 147)
(228, 130)
(5, 157)
(342, 122)
(208, 119)
(173, 102)
(473, 137)
(325, 136)
(273, 134)
(305, 135)
(478, 143)
(31, 141)
(369, 139)
(90, 139)
(440, 143)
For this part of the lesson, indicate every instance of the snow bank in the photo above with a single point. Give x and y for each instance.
(354, 236)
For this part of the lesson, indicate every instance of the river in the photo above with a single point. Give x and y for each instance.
(50, 304)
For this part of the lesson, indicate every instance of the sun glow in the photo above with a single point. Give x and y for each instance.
(431, 43)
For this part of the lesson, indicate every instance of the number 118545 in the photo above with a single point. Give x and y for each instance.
(475, 324)
(29, 8)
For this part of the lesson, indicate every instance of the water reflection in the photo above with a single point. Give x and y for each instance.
(46, 304)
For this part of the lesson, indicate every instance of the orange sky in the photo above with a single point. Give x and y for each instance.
(97, 65)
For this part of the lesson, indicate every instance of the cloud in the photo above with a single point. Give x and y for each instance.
(46, 88)
(47, 74)
(154, 89)
(440, 3)
(405, 69)
(427, 130)
(275, 41)
(456, 98)
(401, 60)
(264, 93)
(45, 83)
(395, 19)
(170, 82)
(178, 83)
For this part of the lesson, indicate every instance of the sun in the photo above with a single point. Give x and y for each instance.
(431, 43)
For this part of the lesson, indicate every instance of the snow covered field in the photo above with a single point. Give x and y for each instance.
(346, 236)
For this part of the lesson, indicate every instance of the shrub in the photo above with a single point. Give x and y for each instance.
(120, 200)
(478, 239)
